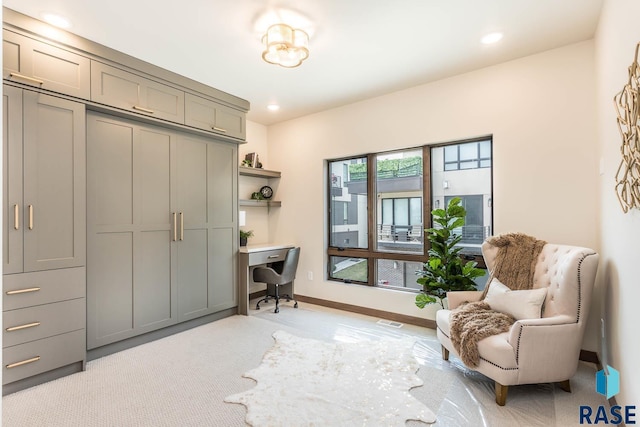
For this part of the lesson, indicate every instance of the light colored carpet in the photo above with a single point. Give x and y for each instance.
(303, 381)
(182, 380)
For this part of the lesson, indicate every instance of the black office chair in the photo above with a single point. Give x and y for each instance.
(279, 274)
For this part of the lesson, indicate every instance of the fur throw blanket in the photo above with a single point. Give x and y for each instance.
(472, 322)
(515, 261)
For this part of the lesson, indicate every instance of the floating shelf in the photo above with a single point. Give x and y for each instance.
(260, 203)
(257, 172)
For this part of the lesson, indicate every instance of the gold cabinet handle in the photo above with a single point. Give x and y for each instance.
(30, 217)
(23, 77)
(16, 217)
(144, 110)
(24, 362)
(175, 227)
(28, 325)
(22, 291)
(181, 226)
(219, 129)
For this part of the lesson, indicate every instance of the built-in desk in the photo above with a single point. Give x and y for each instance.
(252, 256)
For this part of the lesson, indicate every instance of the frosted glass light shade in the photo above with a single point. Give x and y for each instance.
(285, 46)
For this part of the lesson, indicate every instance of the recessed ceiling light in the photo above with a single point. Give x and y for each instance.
(273, 107)
(491, 38)
(56, 20)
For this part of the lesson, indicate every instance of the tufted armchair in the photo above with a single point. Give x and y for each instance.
(540, 350)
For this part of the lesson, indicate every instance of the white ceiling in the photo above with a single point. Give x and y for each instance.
(359, 48)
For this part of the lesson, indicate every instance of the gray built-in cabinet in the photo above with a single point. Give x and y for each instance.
(161, 236)
(44, 66)
(119, 201)
(44, 233)
(113, 86)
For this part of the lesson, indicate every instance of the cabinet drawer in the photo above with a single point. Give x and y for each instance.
(42, 321)
(122, 89)
(42, 287)
(265, 257)
(38, 64)
(42, 355)
(213, 117)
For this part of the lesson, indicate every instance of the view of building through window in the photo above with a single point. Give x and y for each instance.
(385, 247)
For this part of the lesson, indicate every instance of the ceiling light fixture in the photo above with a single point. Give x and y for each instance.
(491, 38)
(273, 107)
(285, 46)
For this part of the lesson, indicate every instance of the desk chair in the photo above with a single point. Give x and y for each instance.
(279, 274)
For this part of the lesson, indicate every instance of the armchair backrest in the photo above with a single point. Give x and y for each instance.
(568, 272)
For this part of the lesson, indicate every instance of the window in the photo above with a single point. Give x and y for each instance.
(378, 202)
(349, 203)
(470, 155)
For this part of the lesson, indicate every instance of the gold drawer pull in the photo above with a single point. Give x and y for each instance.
(28, 325)
(144, 110)
(24, 362)
(22, 291)
(16, 217)
(219, 129)
(23, 77)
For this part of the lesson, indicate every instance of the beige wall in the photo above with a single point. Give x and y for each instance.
(541, 112)
(616, 39)
(256, 218)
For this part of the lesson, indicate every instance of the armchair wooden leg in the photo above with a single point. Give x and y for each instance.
(445, 353)
(565, 385)
(501, 393)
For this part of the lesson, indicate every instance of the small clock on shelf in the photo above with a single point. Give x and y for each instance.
(266, 192)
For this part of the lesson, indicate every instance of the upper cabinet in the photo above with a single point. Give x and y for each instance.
(122, 89)
(106, 79)
(214, 117)
(34, 63)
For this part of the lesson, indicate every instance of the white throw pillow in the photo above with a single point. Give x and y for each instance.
(526, 304)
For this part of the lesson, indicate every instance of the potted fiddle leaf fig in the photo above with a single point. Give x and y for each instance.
(244, 236)
(445, 271)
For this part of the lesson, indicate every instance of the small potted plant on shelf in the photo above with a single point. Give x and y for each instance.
(445, 271)
(244, 235)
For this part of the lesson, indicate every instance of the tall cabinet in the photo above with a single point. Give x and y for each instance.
(161, 218)
(119, 201)
(44, 233)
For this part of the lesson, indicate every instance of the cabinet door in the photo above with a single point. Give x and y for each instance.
(206, 192)
(129, 287)
(44, 66)
(54, 182)
(193, 269)
(12, 206)
(122, 89)
(213, 117)
(223, 231)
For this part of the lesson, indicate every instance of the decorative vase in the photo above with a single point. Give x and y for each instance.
(243, 241)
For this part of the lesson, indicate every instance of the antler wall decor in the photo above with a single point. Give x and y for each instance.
(627, 105)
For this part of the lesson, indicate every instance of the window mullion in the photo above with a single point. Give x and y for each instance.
(371, 216)
(426, 195)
